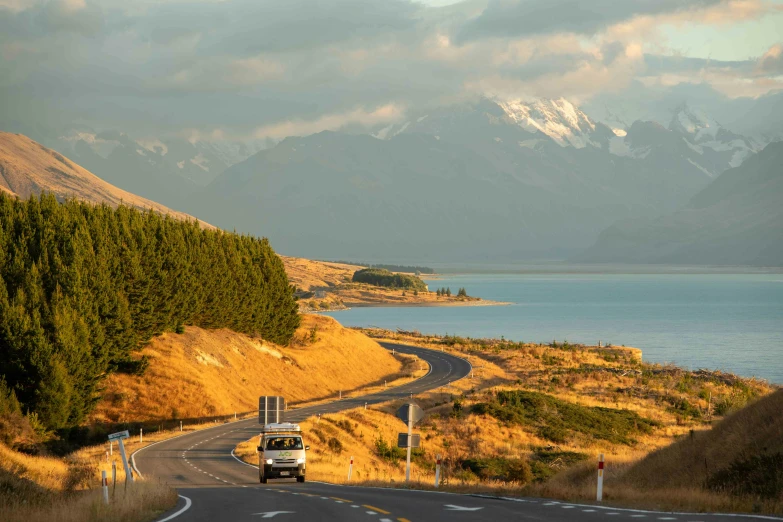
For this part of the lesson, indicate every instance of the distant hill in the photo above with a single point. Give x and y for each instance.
(27, 167)
(735, 220)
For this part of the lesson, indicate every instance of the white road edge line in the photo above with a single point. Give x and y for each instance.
(178, 513)
(133, 455)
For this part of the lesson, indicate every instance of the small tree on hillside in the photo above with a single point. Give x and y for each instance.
(462, 293)
(448, 292)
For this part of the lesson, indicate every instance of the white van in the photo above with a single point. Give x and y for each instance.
(281, 452)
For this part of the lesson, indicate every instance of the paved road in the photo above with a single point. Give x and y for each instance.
(215, 486)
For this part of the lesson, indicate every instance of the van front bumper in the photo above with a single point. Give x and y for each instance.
(272, 471)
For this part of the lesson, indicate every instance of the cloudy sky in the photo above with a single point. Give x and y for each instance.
(250, 69)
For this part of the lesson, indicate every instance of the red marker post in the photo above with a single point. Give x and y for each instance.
(350, 468)
(600, 491)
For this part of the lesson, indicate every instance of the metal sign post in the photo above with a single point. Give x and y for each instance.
(409, 413)
(119, 436)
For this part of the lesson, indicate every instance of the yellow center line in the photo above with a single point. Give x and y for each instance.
(403, 520)
(379, 510)
(341, 499)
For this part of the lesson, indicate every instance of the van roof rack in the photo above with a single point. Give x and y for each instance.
(282, 427)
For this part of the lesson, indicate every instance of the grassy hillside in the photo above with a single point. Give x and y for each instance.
(740, 454)
(200, 373)
(83, 287)
(28, 168)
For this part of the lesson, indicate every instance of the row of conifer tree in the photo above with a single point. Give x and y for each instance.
(84, 287)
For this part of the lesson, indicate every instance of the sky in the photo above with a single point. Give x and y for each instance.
(219, 70)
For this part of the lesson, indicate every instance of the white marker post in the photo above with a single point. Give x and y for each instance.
(113, 477)
(111, 448)
(141, 435)
(105, 486)
(410, 443)
(600, 491)
(437, 471)
(180, 425)
(350, 469)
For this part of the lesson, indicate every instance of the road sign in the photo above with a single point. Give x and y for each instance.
(402, 440)
(410, 413)
(271, 409)
(119, 436)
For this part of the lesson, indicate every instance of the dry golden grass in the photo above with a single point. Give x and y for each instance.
(36, 489)
(201, 373)
(753, 430)
(27, 168)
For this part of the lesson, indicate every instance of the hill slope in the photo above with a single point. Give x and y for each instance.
(754, 431)
(736, 220)
(27, 167)
(215, 372)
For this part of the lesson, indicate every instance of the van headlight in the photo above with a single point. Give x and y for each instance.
(269, 461)
(300, 460)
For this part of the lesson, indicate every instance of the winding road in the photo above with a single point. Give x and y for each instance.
(216, 486)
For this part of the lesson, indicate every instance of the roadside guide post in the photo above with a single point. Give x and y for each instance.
(141, 435)
(350, 469)
(600, 491)
(105, 487)
(111, 448)
(113, 477)
(119, 436)
(180, 425)
(437, 471)
(409, 413)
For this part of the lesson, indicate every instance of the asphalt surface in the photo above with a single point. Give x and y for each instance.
(215, 486)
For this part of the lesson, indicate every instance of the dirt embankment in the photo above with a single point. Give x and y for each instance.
(324, 285)
(200, 373)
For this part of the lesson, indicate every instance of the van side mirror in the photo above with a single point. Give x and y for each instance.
(307, 448)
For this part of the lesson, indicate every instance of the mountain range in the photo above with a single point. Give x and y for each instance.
(735, 220)
(481, 181)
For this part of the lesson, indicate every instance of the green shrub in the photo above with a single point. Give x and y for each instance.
(335, 446)
(498, 468)
(757, 475)
(558, 420)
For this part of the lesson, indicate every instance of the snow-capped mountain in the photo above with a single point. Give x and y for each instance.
(559, 119)
(197, 161)
(703, 132)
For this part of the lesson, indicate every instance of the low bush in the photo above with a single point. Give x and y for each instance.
(558, 420)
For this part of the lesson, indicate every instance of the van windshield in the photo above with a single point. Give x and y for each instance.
(284, 443)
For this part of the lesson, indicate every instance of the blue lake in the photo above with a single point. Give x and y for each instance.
(727, 322)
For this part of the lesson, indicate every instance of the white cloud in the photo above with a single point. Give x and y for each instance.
(388, 113)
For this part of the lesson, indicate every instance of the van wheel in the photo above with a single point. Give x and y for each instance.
(300, 479)
(262, 479)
